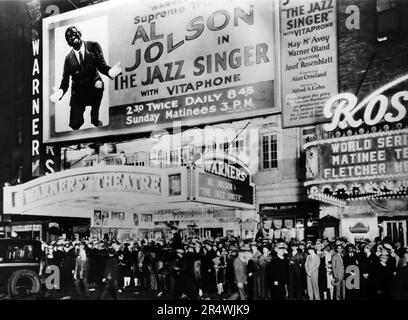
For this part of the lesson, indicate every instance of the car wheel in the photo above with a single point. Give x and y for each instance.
(23, 282)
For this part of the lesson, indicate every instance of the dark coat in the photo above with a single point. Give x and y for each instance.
(189, 278)
(68, 264)
(297, 264)
(383, 279)
(208, 272)
(400, 286)
(278, 271)
(112, 269)
(83, 81)
(323, 274)
(349, 260)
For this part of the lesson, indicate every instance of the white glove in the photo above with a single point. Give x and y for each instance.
(56, 95)
(115, 70)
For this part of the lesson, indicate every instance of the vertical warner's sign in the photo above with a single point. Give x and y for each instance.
(308, 59)
(42, 156)
(35, 109)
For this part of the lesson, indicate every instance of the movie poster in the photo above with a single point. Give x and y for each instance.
(308, 60)
(137, 66)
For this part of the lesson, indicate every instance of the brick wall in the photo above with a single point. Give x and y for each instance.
(356, 48)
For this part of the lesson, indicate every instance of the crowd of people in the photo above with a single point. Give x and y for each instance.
(232, 268)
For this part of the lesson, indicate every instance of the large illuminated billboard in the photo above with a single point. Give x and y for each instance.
(137, 66)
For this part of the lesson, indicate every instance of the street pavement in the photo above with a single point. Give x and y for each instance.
(131, 294)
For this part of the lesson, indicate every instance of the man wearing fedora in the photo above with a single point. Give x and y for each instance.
(278, 273)
(254, 281)
(296, 272)
(209, 282)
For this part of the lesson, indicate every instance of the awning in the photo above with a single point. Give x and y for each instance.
(77, 192)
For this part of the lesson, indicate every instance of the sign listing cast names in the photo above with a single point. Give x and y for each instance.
(309, 59)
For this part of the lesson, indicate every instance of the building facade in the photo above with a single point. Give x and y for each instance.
(345, 46)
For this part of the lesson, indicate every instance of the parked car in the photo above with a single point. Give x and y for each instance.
(20, 265)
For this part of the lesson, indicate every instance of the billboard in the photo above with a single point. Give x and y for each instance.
(190, 62)
(370, 156)
(308, 60)
(215, 188)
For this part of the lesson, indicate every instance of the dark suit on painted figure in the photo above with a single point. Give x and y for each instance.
(83, 65)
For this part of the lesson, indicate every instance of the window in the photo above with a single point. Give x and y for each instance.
(388, 19)
(225, 147)
(269, 152)
(184, 156)
(20, 252)
(174, 157)
(237, 146)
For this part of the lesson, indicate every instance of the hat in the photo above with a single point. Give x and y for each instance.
(208, 241)
(282, 245)
(179, 250)
(244, 248)
(334, 282)
(388, 247)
